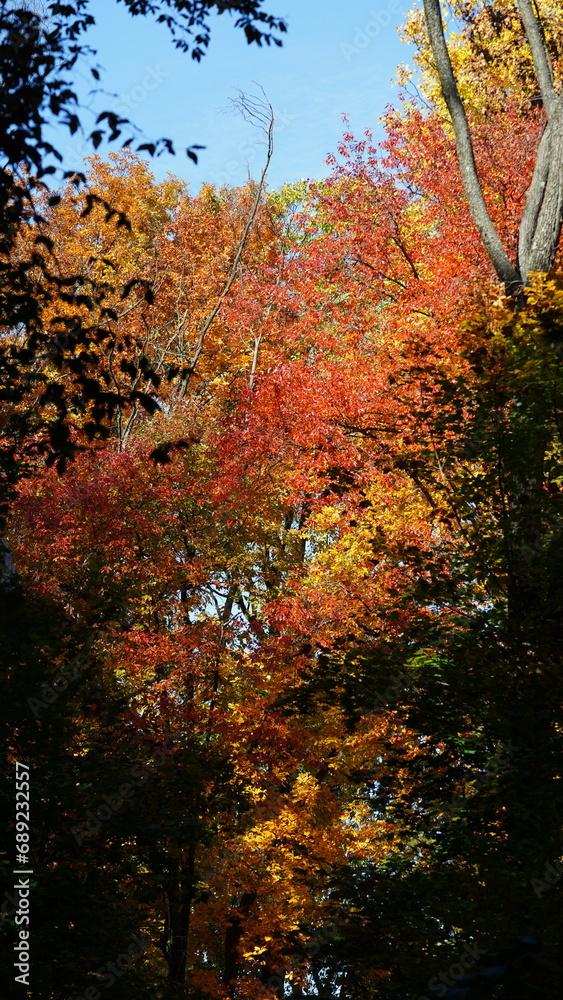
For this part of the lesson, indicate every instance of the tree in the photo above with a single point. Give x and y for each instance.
(540, 226)
(331, 603)
(37, 57)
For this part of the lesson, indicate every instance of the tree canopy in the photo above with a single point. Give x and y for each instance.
(282, 643)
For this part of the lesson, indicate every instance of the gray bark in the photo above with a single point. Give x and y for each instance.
(261, 114)
(543, 214)
(540, 55)
(542, 217)
(538, 243)
(472, 186)
(534, 202)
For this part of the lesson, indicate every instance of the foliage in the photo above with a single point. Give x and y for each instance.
(318, 589)
(40, 51)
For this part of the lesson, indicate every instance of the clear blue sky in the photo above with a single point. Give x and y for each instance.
(337, 58)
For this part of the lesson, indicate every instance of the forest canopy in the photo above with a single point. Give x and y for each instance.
(282, 587)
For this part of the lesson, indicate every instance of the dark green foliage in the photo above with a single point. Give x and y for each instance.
(475, 787)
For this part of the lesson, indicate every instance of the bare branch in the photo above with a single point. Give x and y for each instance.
(260, 112)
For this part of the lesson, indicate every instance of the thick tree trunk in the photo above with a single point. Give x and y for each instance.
(538, 243)
(233, 934)
(179, 895)
(178, 929)
(472, 186)
(542, 218)
(542, 65)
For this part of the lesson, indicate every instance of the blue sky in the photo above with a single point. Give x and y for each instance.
(337, 58)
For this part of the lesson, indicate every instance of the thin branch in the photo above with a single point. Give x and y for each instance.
(260, 113)
(254, 365)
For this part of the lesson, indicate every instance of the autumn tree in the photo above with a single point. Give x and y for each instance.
(38, 55)
(540, 224)
(330, 603)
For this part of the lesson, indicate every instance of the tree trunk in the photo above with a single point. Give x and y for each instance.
(542, 218)
(179, 897)
(506, 271)
(233, 934)
(538, 251)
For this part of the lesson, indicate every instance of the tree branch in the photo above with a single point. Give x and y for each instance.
(534, 200)
(479, 212)
(540, 55)
(542, 218)
(260, 113)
